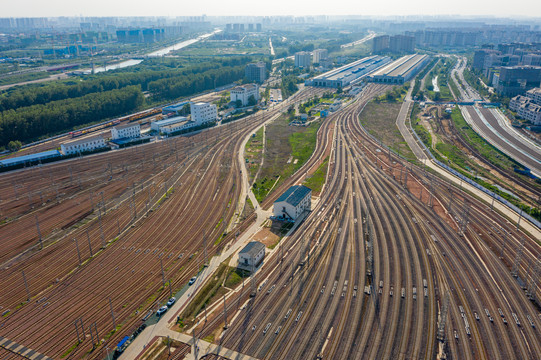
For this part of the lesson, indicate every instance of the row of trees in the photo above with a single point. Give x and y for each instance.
(36, 121)
(186, 85)
(143, 76)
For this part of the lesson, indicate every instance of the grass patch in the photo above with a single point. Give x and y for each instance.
(207, 293)
(209, 338)
(379, 119)
(253, 153)
(316, 181)
(287, 148)
(70, 350)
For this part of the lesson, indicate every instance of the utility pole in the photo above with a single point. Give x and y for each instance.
(89, 245)
(39, 233)
(532, 285)
(163, 274)
(225, 314)
(26, 286)
(520, 217)
(78, 253)
(101, 230)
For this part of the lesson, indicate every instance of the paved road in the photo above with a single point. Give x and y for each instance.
(401, 123)
(486, 124)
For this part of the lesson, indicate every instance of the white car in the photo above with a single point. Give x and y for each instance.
(161, 310)
(192, 280)
(171, 301)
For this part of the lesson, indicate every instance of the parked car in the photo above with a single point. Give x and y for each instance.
(171, 301)
(192, 280)
(161, 310)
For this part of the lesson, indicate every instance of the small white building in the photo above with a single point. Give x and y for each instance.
(526, 108)
(179, 126)
(203, 112)
(293, 202)
(243, 93)
(335, 106)
(159, 125)
(251, 255)
(127, 131)
(82, 145)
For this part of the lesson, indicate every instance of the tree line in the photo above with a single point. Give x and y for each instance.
(35, 121)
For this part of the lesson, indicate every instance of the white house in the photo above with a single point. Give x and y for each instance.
(182, 125)
(293, 202)
(203, 112)
(251, 255)
(243, 93)
(82, 145)
(127, 131)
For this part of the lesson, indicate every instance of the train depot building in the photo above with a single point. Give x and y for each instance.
(83, 145)
(293, 203)
(251, 255)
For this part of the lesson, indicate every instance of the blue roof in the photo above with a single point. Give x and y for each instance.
(175, 107)
(294, 195)
(123, 341)
(30, 158)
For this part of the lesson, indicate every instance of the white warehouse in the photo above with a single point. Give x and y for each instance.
(251, 255)
(293, 202)
(203, 112)
(127, 131)
(243, 93)
(82, 145)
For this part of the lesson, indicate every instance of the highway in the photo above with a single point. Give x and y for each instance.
(366, 274)
(488, 124)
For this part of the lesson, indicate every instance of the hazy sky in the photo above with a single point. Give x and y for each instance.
(35, 8)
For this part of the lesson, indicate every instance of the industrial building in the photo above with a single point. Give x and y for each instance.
(251, 255)
(319, 55)
(350, 73)
(292, 203)
(30, 159)
(174, 109)
(82, 145)
(303, 59)
(256, 72)
(399, 71)
(127, 131)
(243, 93)
(203, 113)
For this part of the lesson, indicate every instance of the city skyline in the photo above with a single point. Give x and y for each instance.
(32, 8)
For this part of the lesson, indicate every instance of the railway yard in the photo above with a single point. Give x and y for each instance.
(392, 262)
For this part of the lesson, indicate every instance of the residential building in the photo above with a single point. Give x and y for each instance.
(526, 108)
(535, 95)
(82, 145)
(295, 201)
(380, 44)
(126, 131)
(203, 113)
(244, 92)
(303, 59)
(251, 255)
(319, 55)
(402, 44)
(256, 72)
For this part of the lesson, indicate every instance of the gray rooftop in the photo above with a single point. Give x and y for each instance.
(294, 195)
(252, 248)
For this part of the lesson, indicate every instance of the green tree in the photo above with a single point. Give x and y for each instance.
(14, 145)
(238, 103)
(252, 101)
